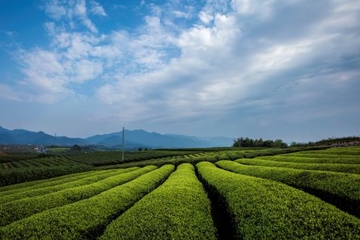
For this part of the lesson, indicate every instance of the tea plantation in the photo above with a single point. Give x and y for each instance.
(193, 194)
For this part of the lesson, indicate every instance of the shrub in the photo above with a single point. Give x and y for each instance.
(87, 218)
(178, 209)
(264, 209)
(345, 168)
(340, 189)
(15, 210)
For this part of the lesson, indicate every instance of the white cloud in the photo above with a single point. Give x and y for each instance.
(86, 70)
(210, 74)
(97, 9)
(80, 11)
(55, 9)
(344, 16)
(80, 46)
(9, 93)
(212, 64)
(73, 11)
(279, 57)
(181, 14)
(260, 9)
(44, 76)
(206, 18)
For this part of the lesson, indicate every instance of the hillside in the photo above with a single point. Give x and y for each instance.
(134, 139)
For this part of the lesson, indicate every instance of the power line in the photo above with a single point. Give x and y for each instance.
(123, 145)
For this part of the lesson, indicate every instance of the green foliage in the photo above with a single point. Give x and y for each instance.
(32, 191)
(48, 166)
(76, 148)
(345, 168)
(211, 156)
(83, 205)
(248, 142)
(18, 175)
(345, 150)
(37, 184)
(85, 219)
(264, 209)
(115, 157)
(344, 141)
(27, 206)
(340, 189)
(178, 209)
(315, 158)
(13, 157)
(349, 155)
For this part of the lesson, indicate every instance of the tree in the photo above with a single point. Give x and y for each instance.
(278, 143)
(248, 142)
(75, 148)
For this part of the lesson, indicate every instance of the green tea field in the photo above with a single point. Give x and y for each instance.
(217, 194)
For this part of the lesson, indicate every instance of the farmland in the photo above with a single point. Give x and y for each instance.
(183, 194)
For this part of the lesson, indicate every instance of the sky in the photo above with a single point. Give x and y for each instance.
(241, 68)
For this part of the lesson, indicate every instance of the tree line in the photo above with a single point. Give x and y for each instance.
(249, 142)
(330, 141)
(278, 143)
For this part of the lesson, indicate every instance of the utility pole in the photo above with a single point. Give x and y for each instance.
(123, 145)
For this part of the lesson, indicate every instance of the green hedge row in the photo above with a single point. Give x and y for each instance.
(85, 219)
(314, 158)
(50, 161)
(178, 209)
(36, 191)
(340, 189)
(19, 175)
(25, 207)
(345, 168)
(264, 209)
(20, 187)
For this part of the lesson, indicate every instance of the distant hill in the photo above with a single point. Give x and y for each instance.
(141, 138)
(133, 139)
(21, 136)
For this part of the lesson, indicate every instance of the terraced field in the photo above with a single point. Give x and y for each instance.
(210, 195)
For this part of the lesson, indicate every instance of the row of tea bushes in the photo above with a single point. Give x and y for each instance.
(340, 189)
(178, 209)
(264, 209)
(87, 218)
(27, 206)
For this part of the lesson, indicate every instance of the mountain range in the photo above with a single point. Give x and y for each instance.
(133, 139)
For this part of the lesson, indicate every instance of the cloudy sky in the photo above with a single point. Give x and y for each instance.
(251, 68)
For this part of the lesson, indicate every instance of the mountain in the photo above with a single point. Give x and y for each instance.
(21, 136)
(133, 139)
(141, 138)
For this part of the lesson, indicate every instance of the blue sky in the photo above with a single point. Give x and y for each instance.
(250, 68)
